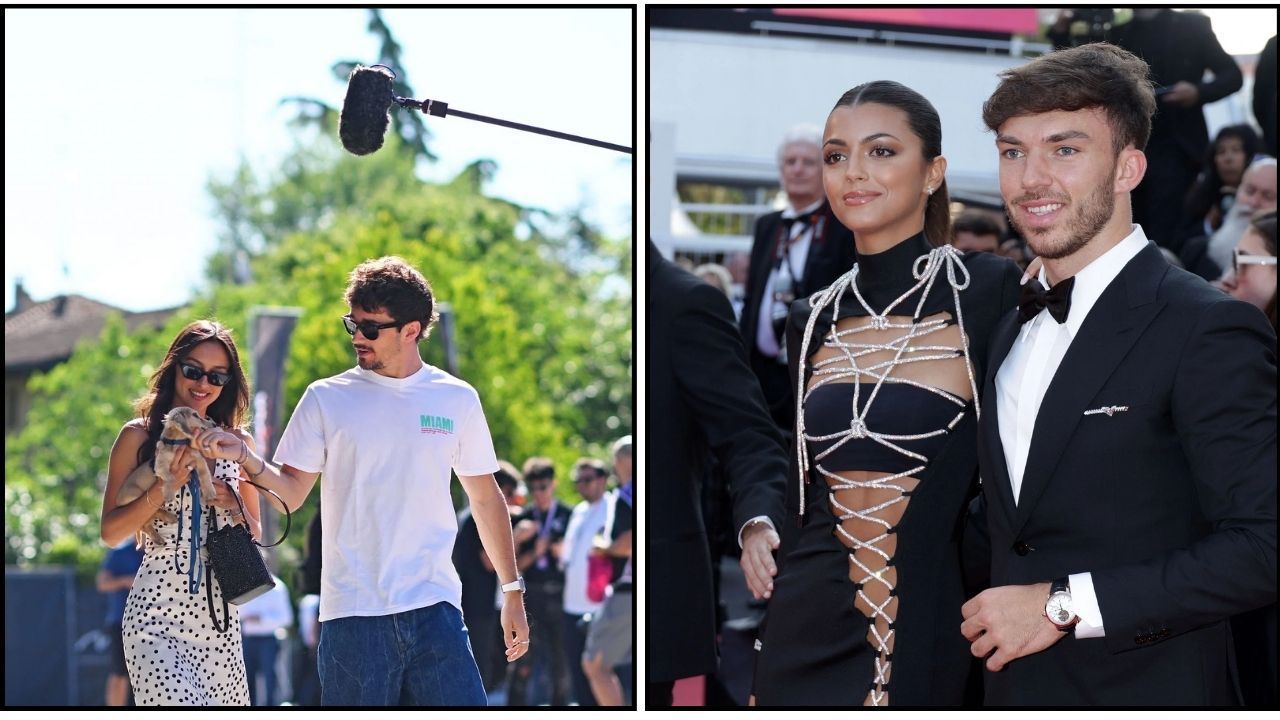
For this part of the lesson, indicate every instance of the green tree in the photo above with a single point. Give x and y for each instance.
(543, 327)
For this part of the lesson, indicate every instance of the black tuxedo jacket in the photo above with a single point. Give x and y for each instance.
(831, 254)
(1170, 504)
(702, 399)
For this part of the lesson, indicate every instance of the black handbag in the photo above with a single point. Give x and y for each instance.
(234, 558)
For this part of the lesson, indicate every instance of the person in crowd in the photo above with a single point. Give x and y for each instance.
(264, 622)
(1214, 192)
(1128, 436)
(176, 618)
(538, 557)
(885, 361)
(388, 435)
(306, 673)
(976, 231)
(717, 276)
(306, 685)
(1211, 256)
(1178, 47)
(701, 385)
(795, 252)
(115, 578)
(1253, 280)
(588, 517)
(608, 648)
(480, 585)
(1264, 95)
(1253, 272)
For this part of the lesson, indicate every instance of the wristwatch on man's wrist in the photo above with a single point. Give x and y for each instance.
(517, 584)
(1058, 608)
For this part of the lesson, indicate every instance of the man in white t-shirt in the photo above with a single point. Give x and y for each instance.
(386, 434)
(587, 520)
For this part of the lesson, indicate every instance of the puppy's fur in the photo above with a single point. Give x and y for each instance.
(180, 423)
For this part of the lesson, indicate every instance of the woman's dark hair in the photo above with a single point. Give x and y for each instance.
(1097, 75)
(391, 284)
(229, 410)
(1264, 223)
(1207, 190)
(925, 123)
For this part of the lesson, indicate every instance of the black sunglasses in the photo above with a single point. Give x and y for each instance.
(368, 328)
(216, 379)
(585, 480)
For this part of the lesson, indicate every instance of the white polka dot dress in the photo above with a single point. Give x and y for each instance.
(174, 654)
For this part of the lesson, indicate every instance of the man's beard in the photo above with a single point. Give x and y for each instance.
(367, 365)
(1087, 220)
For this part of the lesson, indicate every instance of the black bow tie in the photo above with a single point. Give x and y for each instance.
(1035, 298)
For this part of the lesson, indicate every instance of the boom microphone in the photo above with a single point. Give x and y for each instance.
(365, 113)
(366, 109)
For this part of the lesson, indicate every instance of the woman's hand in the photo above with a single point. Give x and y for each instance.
(222, 497)
(215, 443)
(184, 461)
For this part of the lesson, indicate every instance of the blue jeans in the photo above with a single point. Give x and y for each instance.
(417, 657)
(260, 653)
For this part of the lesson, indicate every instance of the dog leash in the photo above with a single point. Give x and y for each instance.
(196, 563)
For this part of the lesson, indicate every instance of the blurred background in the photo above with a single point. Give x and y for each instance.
(167, 165)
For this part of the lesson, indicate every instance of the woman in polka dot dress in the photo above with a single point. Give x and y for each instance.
(174, 652)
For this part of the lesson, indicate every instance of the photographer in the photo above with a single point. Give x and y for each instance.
(1179, 47)
(796, 252)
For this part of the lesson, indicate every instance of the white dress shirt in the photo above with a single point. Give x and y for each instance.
(798, 254)
(1026, 373)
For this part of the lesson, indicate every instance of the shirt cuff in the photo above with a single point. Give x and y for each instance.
(759, 518)
(1085, 602)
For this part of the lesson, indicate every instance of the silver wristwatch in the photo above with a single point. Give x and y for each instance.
(1058, 608)
(517, 584)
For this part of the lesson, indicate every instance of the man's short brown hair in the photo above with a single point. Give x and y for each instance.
(1097, 75)
(392, 284)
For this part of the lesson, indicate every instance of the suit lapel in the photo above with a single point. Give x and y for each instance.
(997, 476)
(1114, 324)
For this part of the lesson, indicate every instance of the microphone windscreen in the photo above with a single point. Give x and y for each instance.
(364, 119)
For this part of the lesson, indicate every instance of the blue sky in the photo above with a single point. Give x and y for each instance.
(116, 119)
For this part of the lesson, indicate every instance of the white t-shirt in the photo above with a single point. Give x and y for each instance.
(385, 447)
(585, 521)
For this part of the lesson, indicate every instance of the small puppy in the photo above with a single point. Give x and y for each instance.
(180, 425)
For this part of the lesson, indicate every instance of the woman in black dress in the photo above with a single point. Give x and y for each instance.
(887, 360)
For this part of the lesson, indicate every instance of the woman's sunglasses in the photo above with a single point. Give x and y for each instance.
(368, 328)
(216, 379)
(1238, 259)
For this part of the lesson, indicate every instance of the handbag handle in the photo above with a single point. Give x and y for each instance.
(288, 516)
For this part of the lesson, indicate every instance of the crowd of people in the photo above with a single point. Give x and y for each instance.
(972, 462)
(381, 615)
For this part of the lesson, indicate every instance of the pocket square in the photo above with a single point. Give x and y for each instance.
(1108, 410)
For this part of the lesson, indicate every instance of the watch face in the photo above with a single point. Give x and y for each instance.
(1058, 608)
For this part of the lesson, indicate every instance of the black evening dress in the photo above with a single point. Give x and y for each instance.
(866, 604)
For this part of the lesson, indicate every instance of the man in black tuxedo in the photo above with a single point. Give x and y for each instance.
(1128, 435)
(796, 252)
(1178, 47)
(702, 398)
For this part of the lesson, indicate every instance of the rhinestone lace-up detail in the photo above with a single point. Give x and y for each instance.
(848, 347)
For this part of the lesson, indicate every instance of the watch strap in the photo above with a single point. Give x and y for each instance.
(517, 584)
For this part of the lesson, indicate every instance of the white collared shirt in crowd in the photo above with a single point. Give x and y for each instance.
(268, 613)
(800, 238)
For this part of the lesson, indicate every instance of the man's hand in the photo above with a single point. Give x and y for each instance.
(1008, 622)
(1183, 94)
(758, 543)
(515, 627)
